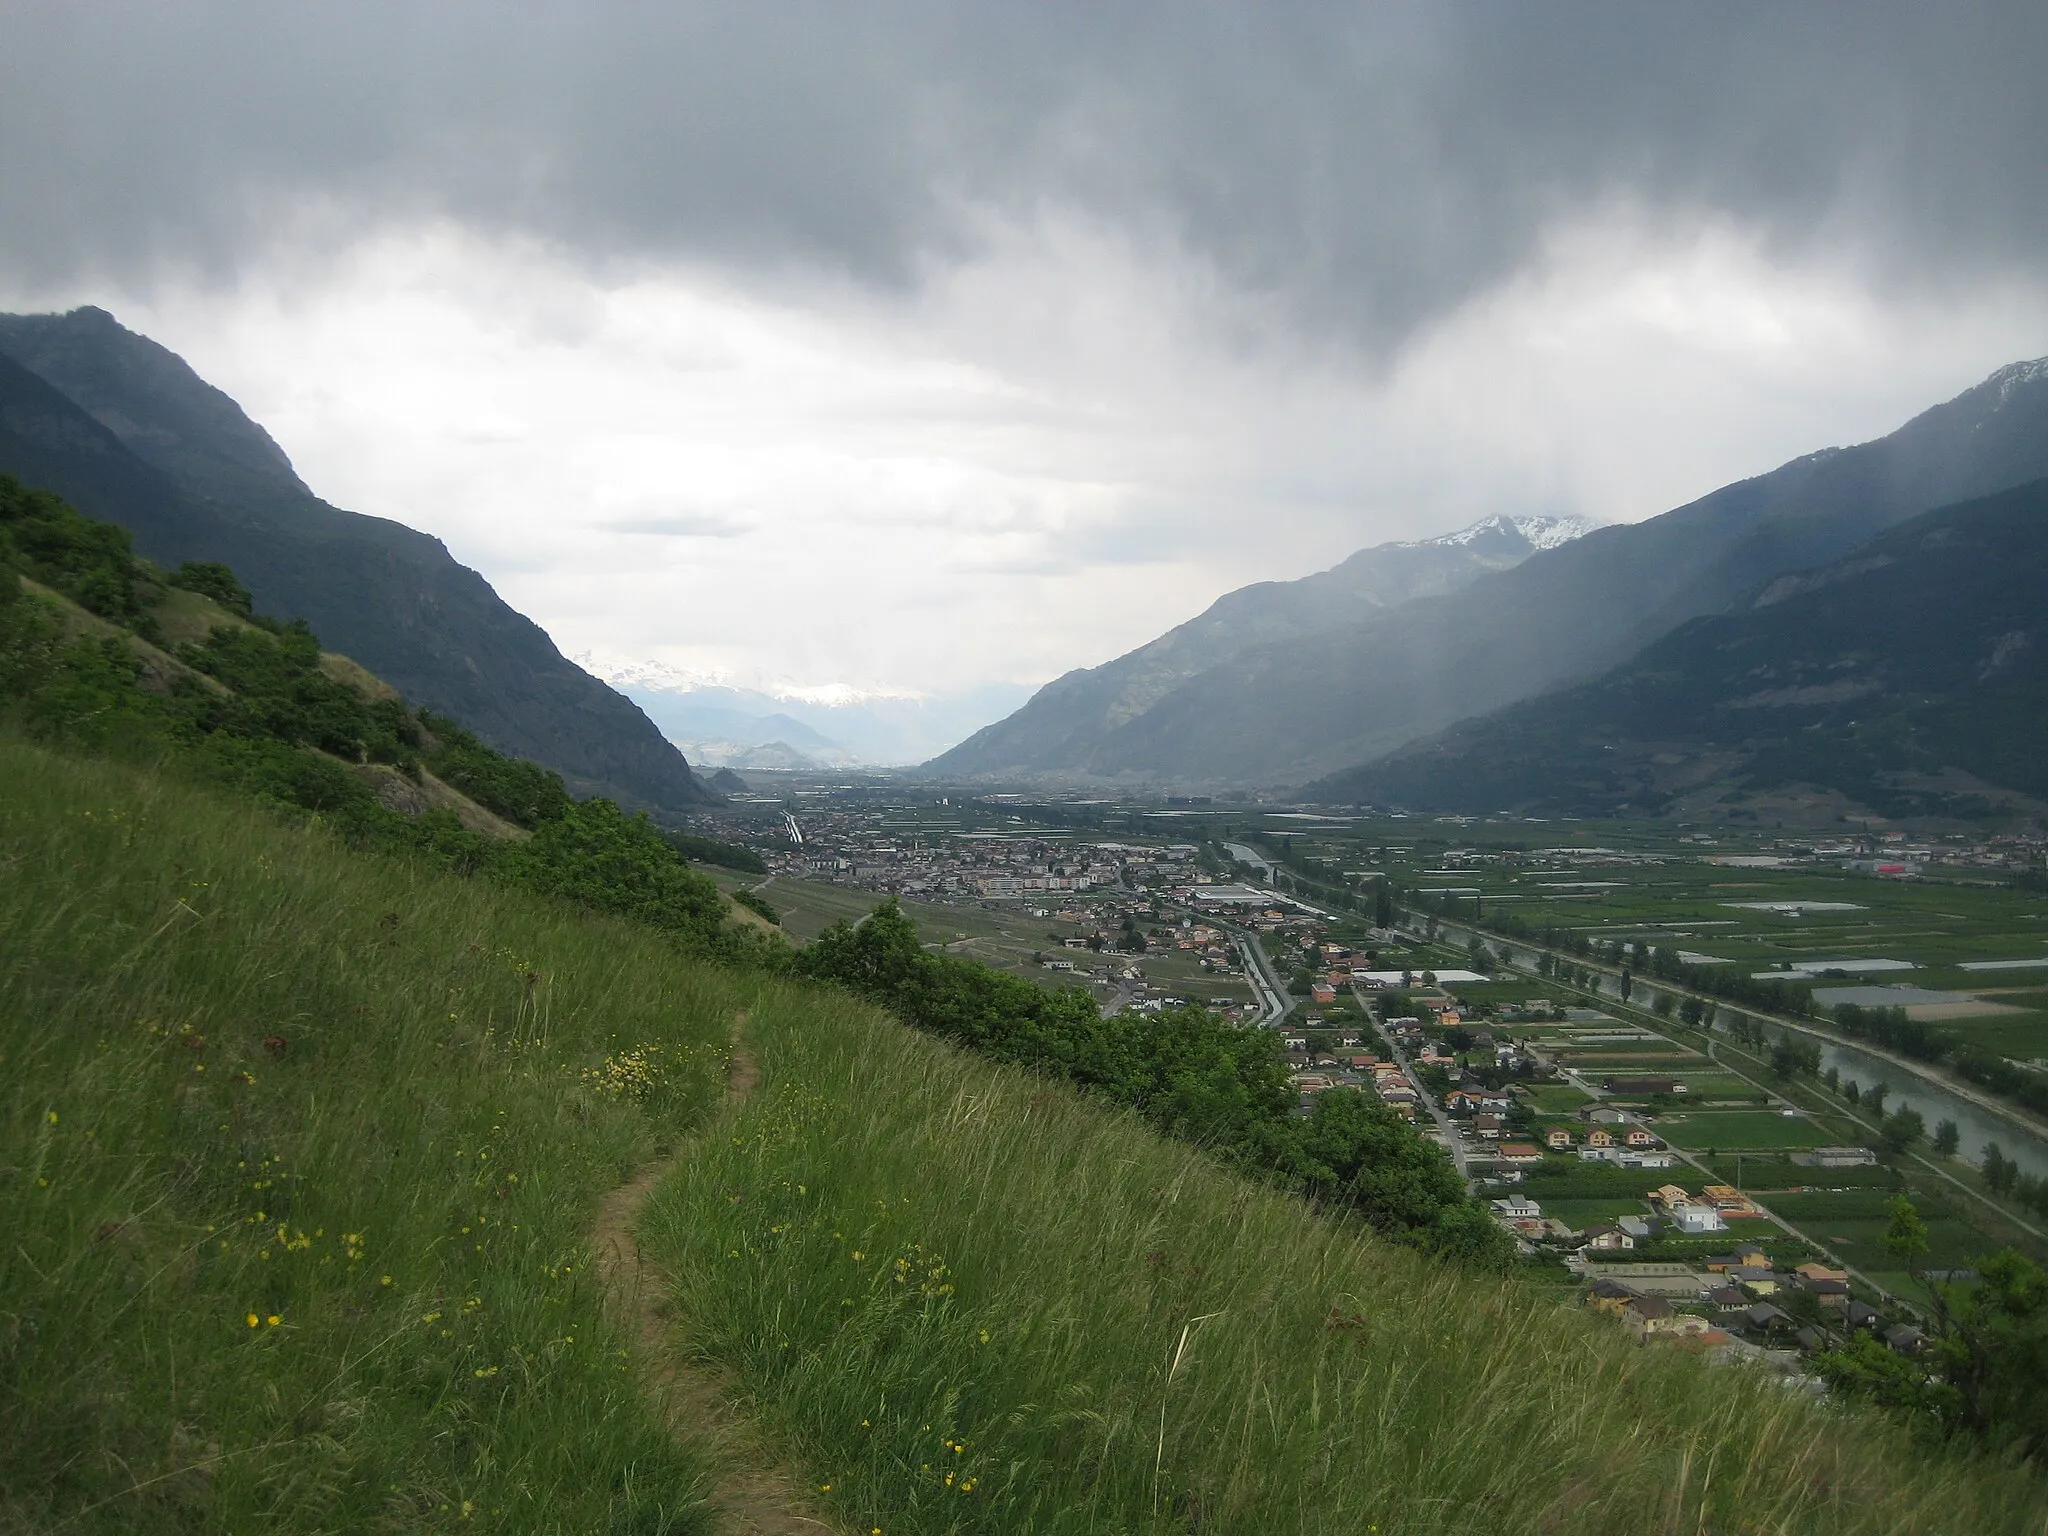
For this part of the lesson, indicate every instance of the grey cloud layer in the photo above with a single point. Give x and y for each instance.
(1362, 169)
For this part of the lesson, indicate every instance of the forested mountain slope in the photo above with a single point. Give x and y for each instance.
(127, 432)
(1909, 676)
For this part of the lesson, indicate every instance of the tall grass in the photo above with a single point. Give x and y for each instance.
(983, 1304)
(297, 1150)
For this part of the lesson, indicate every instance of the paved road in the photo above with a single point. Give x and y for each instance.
(1276, 1001)
(1454, 1139)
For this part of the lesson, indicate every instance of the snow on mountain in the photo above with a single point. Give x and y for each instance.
(1538, 532)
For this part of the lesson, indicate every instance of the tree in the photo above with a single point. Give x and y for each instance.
(1900, 1129)
(1874, 1095)
(1792, 1058)
(1382, 906)
(1947, 1137)
(1906, 1238)
(1626, 986)
(1999, 1170)
(1662, 1006)
(1833, 1078)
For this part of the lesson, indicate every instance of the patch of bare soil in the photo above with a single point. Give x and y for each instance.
(752, 1494)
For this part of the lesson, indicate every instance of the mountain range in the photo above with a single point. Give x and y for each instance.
(1909, 677)
(127, 432)
(1316, 705)
(1082, 722)
(721, 723)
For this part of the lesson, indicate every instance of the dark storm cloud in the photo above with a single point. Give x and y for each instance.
(1358, 169)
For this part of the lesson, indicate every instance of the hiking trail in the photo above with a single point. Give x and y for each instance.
(751, 1493)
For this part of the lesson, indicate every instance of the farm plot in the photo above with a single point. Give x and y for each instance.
(1703, 1129)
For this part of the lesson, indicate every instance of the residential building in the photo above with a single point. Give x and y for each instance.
(1695, 1220)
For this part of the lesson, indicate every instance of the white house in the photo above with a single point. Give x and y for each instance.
(1696, 1219)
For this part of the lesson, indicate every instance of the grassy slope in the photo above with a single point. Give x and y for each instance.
(1118, 1335)
(927, 1267)
(426, 1096)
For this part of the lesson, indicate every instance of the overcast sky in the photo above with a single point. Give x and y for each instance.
(912, 347)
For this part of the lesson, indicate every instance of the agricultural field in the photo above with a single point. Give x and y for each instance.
(1699, 1130)
(1580, 1214)
(1853, 1224)
(1661, 885)
(1556, 1100)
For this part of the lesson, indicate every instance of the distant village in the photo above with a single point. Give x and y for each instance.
(1686, 1258)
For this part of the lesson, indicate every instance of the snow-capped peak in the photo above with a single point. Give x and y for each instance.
(1539, 532)
(2016, 376)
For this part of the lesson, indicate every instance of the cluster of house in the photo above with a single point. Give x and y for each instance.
(1610, 1136)
(1737, 1290)
(1313, 1073)
(1683, 1213)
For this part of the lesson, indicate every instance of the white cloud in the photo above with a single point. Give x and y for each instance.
(1035, 456)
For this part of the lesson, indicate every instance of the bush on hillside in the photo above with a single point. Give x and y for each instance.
(91, 563)
(711, 850)
(524, 793)
(279, 729)
(1188, 1073)
(209, 578)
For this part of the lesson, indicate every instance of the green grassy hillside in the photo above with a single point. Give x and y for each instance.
(983, 1303)
(250, 1074)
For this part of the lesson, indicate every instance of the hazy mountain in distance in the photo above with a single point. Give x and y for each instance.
(1301, 709)
(1908, 677)
(830, 727)
(127, 432)
(1065, 722)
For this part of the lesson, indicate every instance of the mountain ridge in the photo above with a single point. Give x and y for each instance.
(1310, 706)
(125, 429)
(1062, 724)
(1909, 677)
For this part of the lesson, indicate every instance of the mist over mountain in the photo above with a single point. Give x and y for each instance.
(1071, 724)
(1909, 677)
(826, 727)
(127, 432)
(1306, 706)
